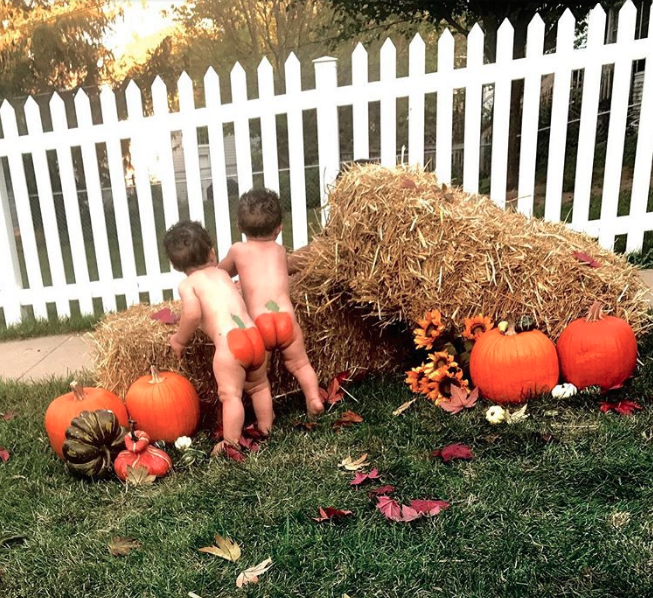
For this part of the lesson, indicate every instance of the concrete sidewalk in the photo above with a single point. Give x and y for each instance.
(65, 354)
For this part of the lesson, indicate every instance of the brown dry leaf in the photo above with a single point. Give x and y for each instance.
(226, 548)
(354, 465)
(251, 575)
(123, 546)
(139, 476)
(517, 416)
(399, 410)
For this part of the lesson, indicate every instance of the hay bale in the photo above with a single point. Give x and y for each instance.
(398, 244)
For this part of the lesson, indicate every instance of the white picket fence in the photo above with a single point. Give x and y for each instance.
(147, 134)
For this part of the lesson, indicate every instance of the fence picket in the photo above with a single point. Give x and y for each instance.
(501, 121)
(473, 107)
(416, 101)
(139, 151)
(530, 119)
(218, 166)
(388, 105)
(119, 197)
(95, 203)
(191, 151)
(361, 109)
(444, 128)
(71, 204)
(166, 170)
(241, 130)
(588, 119)
(23, 209)
(296, 161)
(48, 213)
(10, 280)
(559, 116)
(618, 118)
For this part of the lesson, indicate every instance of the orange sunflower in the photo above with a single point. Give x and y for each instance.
(430, 328)
(440, 386)
(414, 378)
(442, 359)
(477, 326)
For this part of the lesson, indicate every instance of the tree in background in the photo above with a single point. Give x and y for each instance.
(46, 45)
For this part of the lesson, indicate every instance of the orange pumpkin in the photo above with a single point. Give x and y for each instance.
(511, 367)
(139, 453)
(164, 404)
(276, 327)
(246, 345)
(62, 410)
(597, 350)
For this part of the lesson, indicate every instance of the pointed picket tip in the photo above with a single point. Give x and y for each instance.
(6, 109)
(211, 74)
(567, 20)
(596, 26)
(417, 42)
(238, 71)
(446, 37)
(264, 66)
(133, 89)
(31, 107)
(388, 46)
(106, 93)
(292, 63)
(598, 9)
(535, 36)
(566, 28)
(628, 9)
(506, 28)
(184, 80)
(359, 51)
(159, 85)
(81, 98)
(627, 20)
(476, 32)
(56, 102)
(536, 23)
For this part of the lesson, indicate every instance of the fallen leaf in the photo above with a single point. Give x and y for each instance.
(622, 407)
(453, 451)
(348, 418)
(123, 546)
(399, 410)
(354, 465)
(139, 476)
(193, 595)
(460, 399)
(390, 508)
(11, 538)
(586, 259)
(387, 489)
(331, 514)
(333, 393)
(361, 477)
(233, 453)
(491, 438)
(517, 416)
(4, 454)
(251, 575)
(429, 507)
(254, 433)
(226, 549)
(308, 426)
(7, 416)
(166, 316)
(249, 444)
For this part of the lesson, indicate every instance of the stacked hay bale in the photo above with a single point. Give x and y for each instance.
(396, 245)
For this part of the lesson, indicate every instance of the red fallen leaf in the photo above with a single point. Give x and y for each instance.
(7, 416)
(347, 419)
(342, 376)
(460, 399)
(390, 508)
(254, 433)
(4, 454)
(586, 259)
(166, 316)
(429, 507)
(333, 394)
(622, 407)
(331, 514)
(309, 426)
(361, 477)
(387, 489)
(248, 444)
(453, 451)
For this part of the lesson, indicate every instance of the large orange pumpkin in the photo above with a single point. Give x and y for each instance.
(164, 404)
(511, 367)
(597, 350)
(62, 410)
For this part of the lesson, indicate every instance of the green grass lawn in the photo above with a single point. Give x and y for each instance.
(557, 505)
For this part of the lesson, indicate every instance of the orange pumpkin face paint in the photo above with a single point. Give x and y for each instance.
(246, 345)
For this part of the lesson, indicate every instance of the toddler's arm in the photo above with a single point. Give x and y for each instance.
(228, 264)
(191, 317)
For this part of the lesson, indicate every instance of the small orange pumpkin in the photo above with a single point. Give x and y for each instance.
(63, 409)
(511, 367)
(140, 453)
(164, 404)
(597, 350)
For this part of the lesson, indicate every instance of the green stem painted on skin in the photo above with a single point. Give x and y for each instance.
(238, 321)
(272, 306)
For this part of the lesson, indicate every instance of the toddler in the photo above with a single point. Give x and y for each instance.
(262, 267)
(211, 302)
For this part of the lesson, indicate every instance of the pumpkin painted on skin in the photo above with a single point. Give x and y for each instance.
(511, 367)
(164, 404)
(246, 345)
(597, 350)
(62, 410)
(140, 453)
(92, 441)
(276, 327)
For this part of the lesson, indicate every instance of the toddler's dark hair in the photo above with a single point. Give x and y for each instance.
(187, 245)
(259, 212)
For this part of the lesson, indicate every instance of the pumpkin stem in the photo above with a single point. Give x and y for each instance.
(156, 379)
(132, 433)
(511, 329)
(594, 313)
(78, 390)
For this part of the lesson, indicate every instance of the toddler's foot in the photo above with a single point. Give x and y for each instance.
(224, 447)
(314, 408)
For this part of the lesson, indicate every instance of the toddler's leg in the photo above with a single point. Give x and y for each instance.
(230, 377)
(257, 386)
(296, 361)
